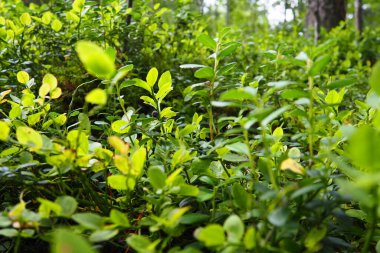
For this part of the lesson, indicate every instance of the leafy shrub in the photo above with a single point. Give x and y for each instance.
(239, 146)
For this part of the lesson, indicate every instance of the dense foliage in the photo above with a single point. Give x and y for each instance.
(146, 130)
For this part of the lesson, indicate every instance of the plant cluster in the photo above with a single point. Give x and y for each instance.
(159, 137)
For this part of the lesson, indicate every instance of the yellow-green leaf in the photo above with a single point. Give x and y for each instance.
(138, 159)
(152, 76)
(95, 60)
(122, 163)
(46, 17)
(50, 80)
(167, 113)
(56, 25)
(292, 165)
(78, 5)
(4, 132)
(118, 182)
(165, 79)
(120, 126)
(118, 145)
(56, 93)
(34, 118)
(60, 120)
(97, 96)
(44, 90)
(25, 19)
(29, 137)
(23, 77)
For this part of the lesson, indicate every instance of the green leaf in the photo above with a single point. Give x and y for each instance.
(239, 147)
(240, 196)
(46, 207)
(4, 133)
(50, 80)
(25, 19)
(118, 182)
(294, 94)
(29, 137)
(227, 68)
(138, 160)
(244, 93)
(120, 126)
(119, 218)
(78, 140)
(234, 228)
(374, 80)
(71, 16)
(212, 235)
(111, 52)
(364, 148)
(188, 190)
(88, 220)
(167, 113)
(341, 83)
(314, 237)
(95, 60)
(157, 178)
(149, 101)
(250, 238)
(46, 17)
(103, 235)
(97, 96)
(333, 98)
(9, 232)
(23, 77)
(56, 25)
(229, 49)
(206, 72)
(68, 205)
(319, 65)
(5, 221)
(165, 79)
(207, 41)
(140, 243)
(194, 218)
(142, 84)
(43, 90)
(122, 72)
(65, 241)
(78, 5)
(151, 77)
(279, 216)
(164, 91)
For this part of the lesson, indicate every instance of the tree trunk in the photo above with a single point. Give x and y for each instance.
(129, 16)
(325, 13)
(359, 15)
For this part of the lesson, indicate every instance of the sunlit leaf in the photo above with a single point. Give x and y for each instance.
(97, 96)
(95, 60)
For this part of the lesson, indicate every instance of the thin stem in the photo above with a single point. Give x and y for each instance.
(373, 224)
(310, 118)
(225, 168)
(16, 249)
(211, 94)
(250, 157)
